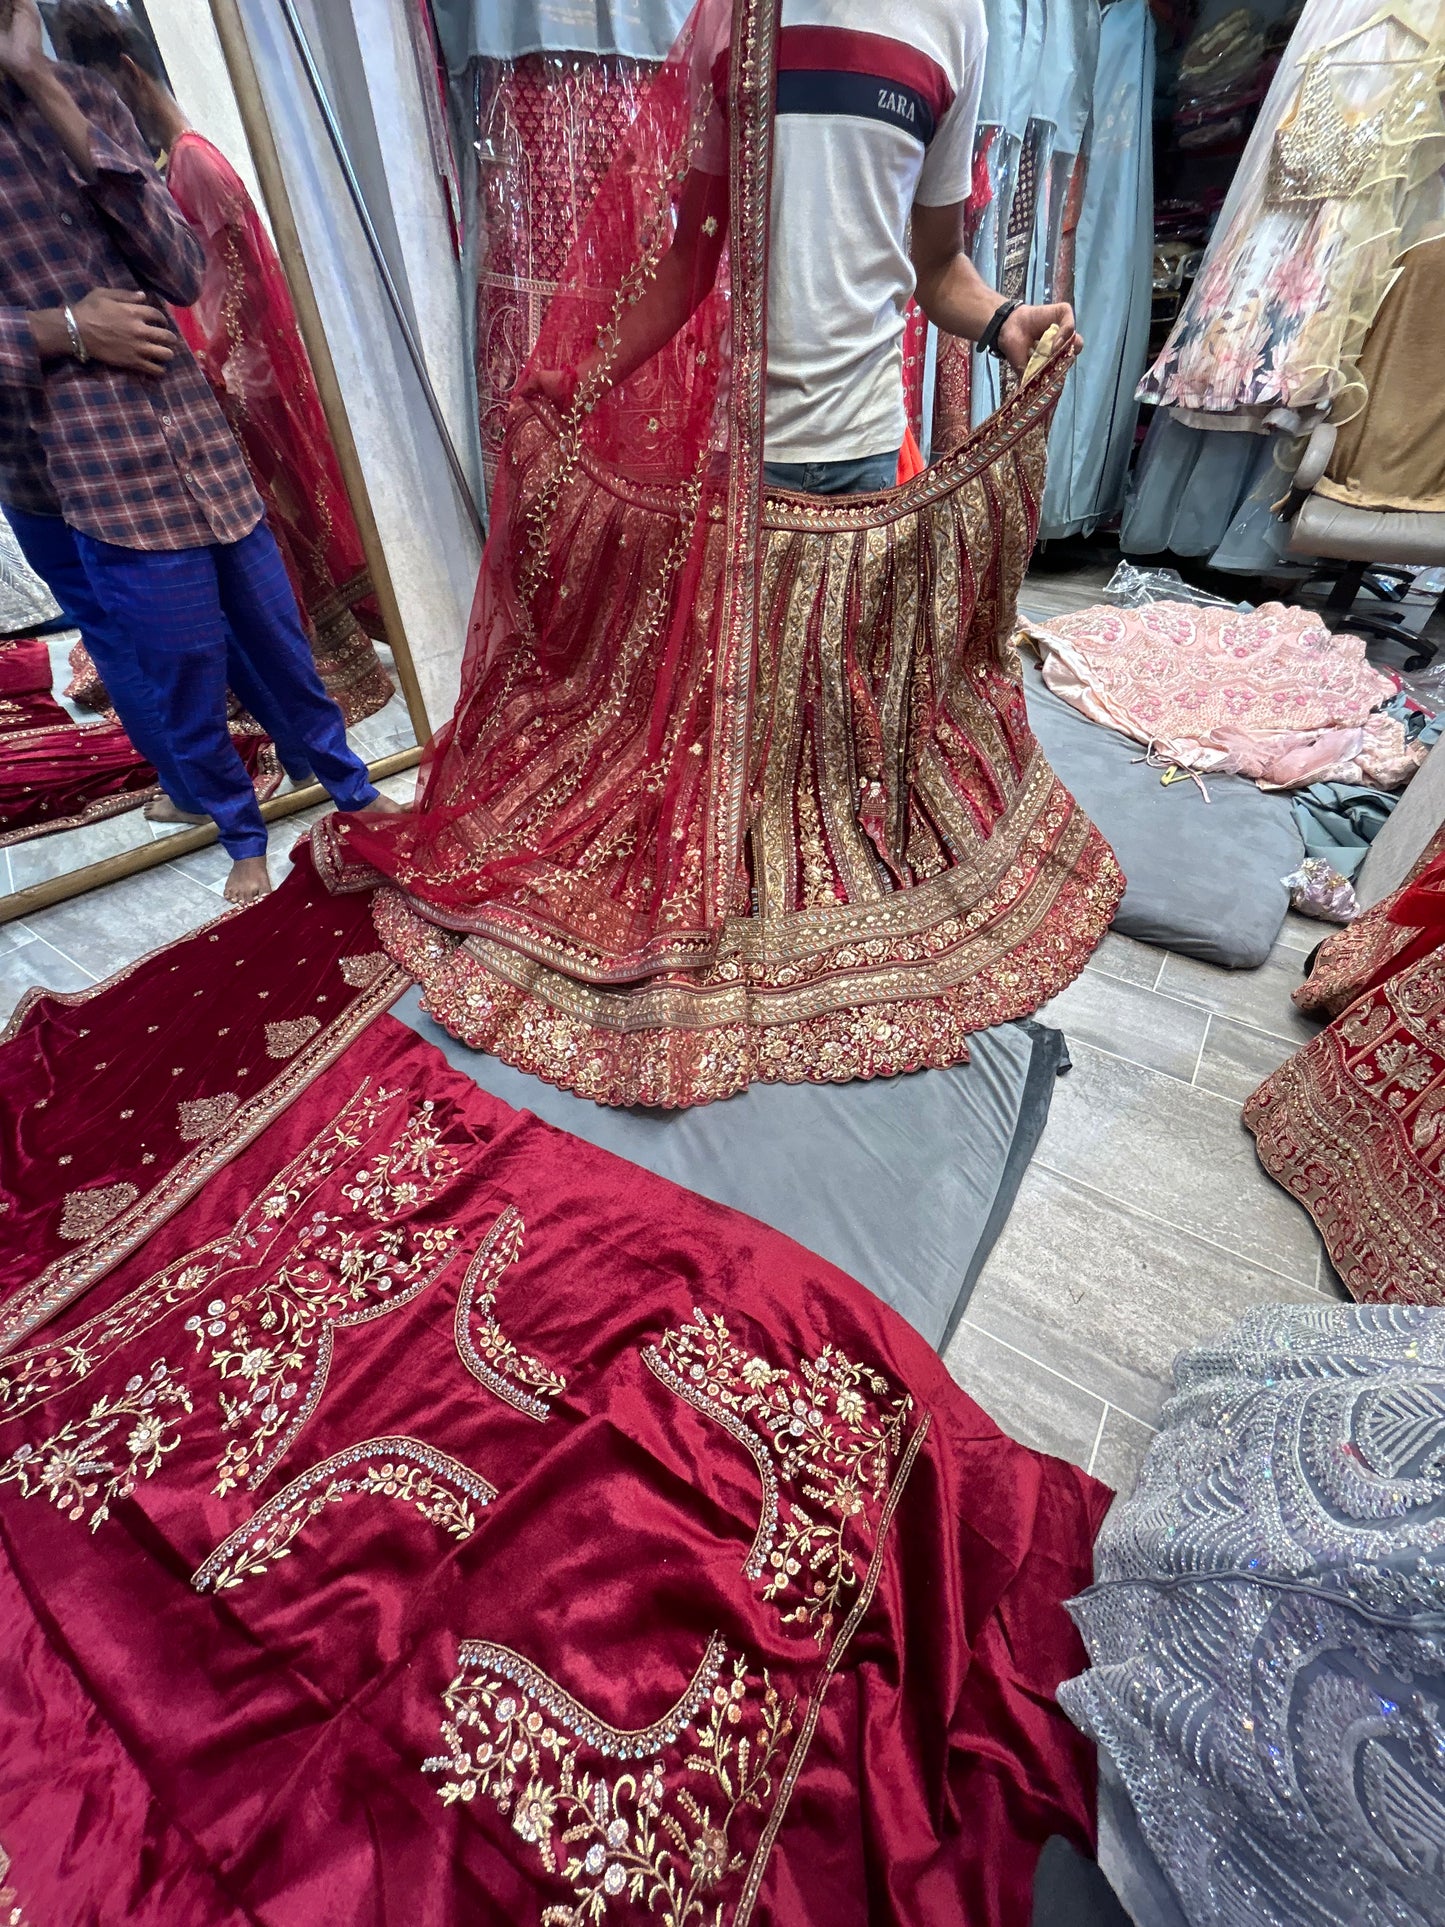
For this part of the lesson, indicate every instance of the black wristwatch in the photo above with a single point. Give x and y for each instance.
(987, 343)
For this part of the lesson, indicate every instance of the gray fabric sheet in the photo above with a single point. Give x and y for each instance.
(1205, 879)
(904, 1183)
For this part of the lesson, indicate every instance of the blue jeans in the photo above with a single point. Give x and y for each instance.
(177, 609)
(865, 476)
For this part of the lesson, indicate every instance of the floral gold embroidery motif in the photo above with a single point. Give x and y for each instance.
(84, 1213)
(200, 1116)
(278, 1329)
(284, 1040)
(660, 1833)
(74, 1465)
(829, 1433)
(40, 1373)
(488, 1354)
(363, 970)
(441, 1488)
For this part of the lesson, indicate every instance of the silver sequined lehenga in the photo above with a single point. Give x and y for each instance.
(1267, 1629)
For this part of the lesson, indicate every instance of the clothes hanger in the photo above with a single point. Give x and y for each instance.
(1386, 17)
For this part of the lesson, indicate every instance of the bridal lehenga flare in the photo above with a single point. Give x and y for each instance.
(740, 785)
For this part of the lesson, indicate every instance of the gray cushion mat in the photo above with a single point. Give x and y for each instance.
(904, 1183)
(1204, 878)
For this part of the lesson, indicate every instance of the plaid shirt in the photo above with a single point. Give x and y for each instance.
(145, 462)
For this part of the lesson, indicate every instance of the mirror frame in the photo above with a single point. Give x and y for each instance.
(236, 51)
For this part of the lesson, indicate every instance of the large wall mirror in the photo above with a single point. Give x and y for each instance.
(296, 334)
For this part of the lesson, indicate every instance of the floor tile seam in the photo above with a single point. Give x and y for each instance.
(1175, 995)
(1235, 1105)
(1168, 1224)
(971, 1324)
(1111, 1398)
(65, 957)
(1199, 1060)
(1121, 1056)
(1098, 1437)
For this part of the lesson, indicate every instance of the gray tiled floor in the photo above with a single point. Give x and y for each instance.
(1145, 1223)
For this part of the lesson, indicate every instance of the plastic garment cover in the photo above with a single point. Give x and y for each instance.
(508, 29)
(1341, 173)
(1093, 432)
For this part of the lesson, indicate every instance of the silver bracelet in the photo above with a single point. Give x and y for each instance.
(77, 339)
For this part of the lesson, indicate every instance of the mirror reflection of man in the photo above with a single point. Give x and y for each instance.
(160, 506)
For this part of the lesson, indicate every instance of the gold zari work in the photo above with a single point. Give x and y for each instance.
(916, 870)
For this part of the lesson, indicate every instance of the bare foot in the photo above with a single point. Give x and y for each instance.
(248, 880)
(380, 806)
(161, 809)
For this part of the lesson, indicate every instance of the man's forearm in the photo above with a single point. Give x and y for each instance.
(70, 126)
(665, 304)
(957, 299)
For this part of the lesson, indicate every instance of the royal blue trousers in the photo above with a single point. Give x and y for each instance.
(48, 545)
(176, 609)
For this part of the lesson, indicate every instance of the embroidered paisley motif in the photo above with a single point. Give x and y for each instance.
(441, 1488)
(360, 971)
(270, 1335)
(488, 1354)
(285, 1039)
(87, 1212)
(199, 1116)
(824, 1440)
(659, 1838)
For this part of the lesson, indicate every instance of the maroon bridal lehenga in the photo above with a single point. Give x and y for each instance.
(740, 785)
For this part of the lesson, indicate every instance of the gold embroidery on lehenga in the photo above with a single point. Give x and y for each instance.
(84, 1213)
(362, 970)
(285, 1039)
(441, 1488)
(277, 1329)
(200, 1116)
(333, 1276)
(486, 1351)
(659, 1833)
(74, 1465)
(827, 1434)
(11, 1912)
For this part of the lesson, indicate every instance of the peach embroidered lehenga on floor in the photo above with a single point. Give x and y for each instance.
(740, 786)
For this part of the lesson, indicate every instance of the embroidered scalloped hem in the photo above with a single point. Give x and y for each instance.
(717, 1038)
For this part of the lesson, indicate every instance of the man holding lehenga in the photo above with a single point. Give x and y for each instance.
(740, 785)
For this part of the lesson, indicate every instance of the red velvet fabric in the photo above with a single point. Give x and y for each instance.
(116, 1103)
(403, 1265)
(55, 773)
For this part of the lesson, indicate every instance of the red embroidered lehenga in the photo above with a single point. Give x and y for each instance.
(1353, 1125)
(242, 329)
(739, 787)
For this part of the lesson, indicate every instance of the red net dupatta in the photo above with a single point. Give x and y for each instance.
(736, 789)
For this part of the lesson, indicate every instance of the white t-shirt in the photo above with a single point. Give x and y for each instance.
(876, 109)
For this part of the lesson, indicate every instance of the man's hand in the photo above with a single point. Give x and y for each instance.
(22, 51)
(125, 329)
(1026, 327)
